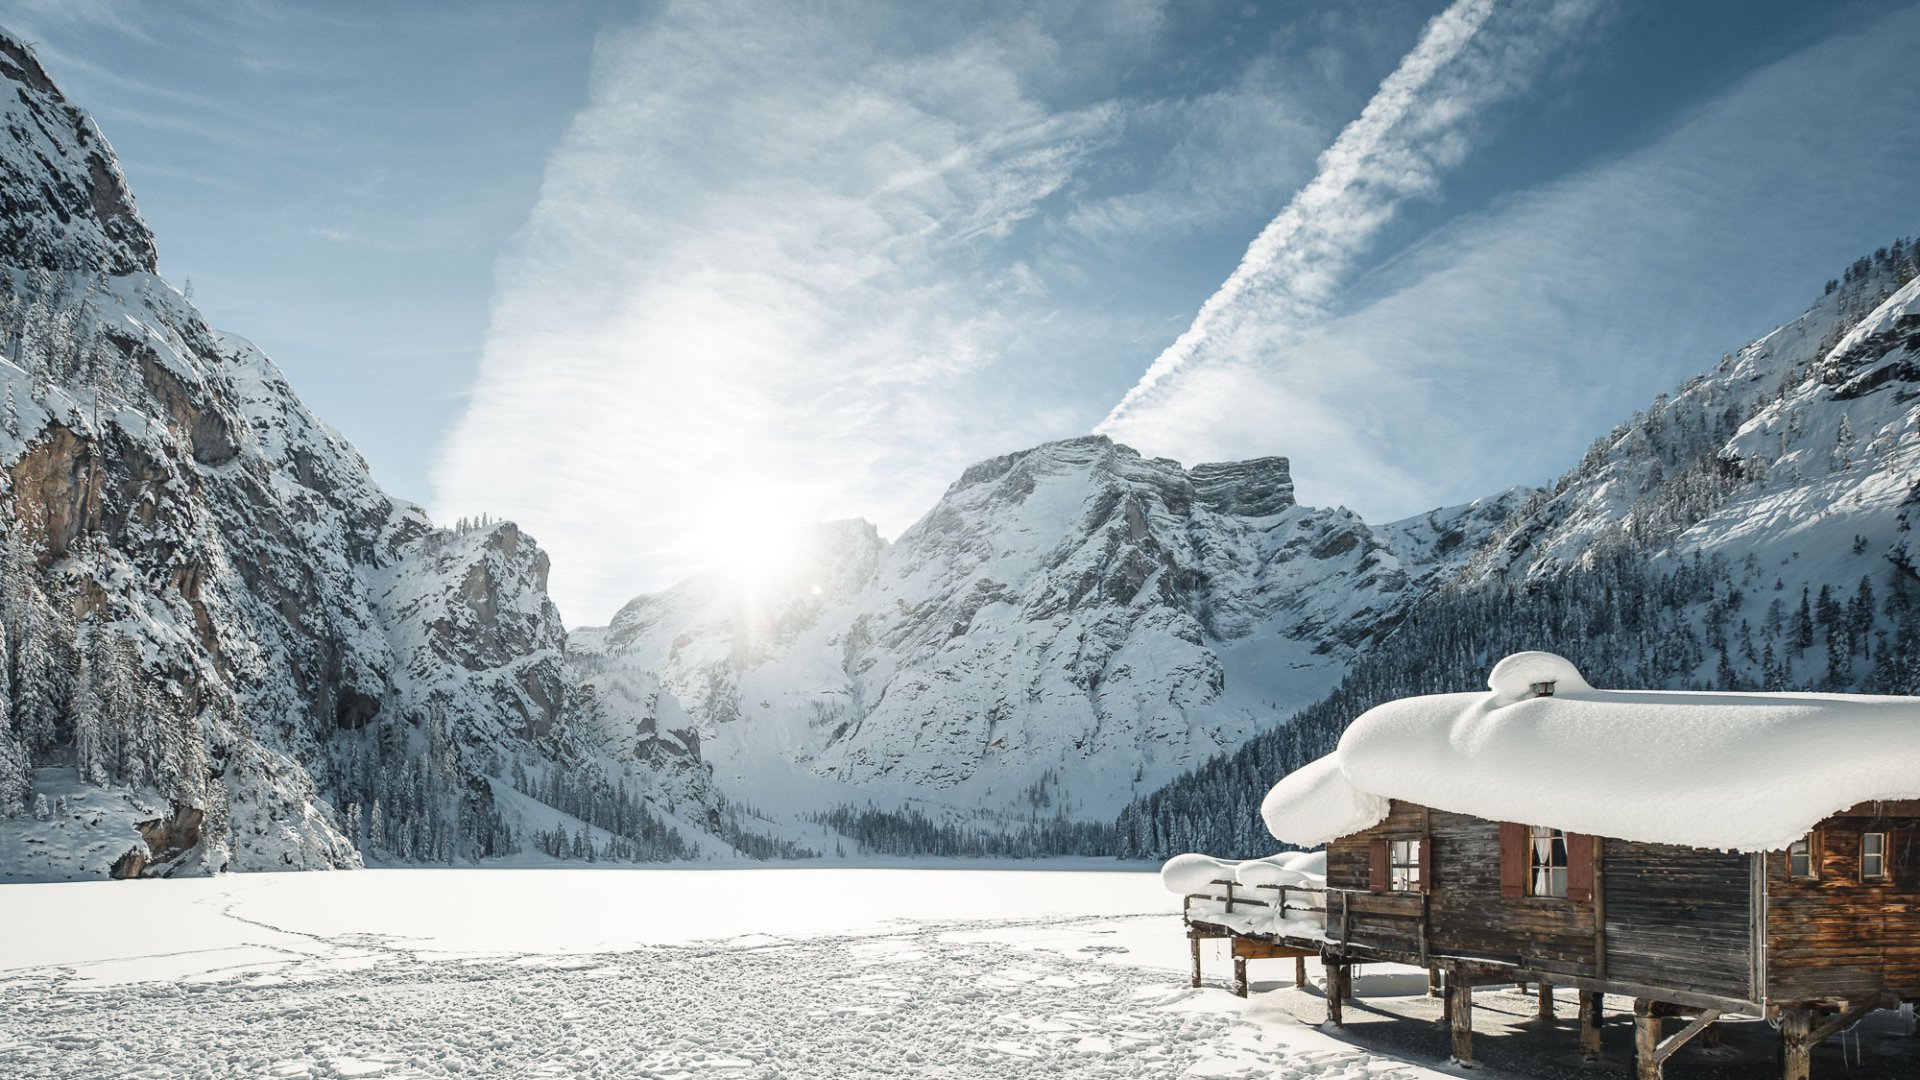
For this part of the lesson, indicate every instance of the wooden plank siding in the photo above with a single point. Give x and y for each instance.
(1467, 917)
(1472, 919)
(1677, 920)
(1679, 917)
(1839, 937)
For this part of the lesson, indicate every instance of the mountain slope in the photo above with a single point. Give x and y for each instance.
(1067, 624)
(1750, 531)
(222, 639)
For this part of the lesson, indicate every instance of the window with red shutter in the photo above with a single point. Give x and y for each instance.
(1579, 866)
(1377, 866)
(1513, 859)
(1426, 864)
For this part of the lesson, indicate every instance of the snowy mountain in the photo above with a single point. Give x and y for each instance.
(1067, 626)
(225, 646)
(1750, 531)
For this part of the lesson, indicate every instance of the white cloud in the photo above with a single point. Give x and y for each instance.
(1493, 350)
(762, 287)
(1418, 125)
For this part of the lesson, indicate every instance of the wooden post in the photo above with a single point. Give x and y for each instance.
(1194, 940)
(1460, 1016)
(1299, 971)
(1346, 982)
(1336, 990)
(1590, 1005)
(1434, 987)
(1646, 1040)
(1796, 1042)
(1710, 1038)
(1239, 974)
(1546, 1001)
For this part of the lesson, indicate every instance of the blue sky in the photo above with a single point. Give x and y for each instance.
(664, 282)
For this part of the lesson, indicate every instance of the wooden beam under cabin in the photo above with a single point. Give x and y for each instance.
(1591, 1003)
(1460, 1018)
(1646, 1039)
(1680, 1038)
(1796, 1044)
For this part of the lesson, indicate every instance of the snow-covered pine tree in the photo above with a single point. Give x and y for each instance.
(16, 773)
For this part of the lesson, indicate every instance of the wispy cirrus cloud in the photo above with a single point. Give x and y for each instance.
(1491, 350)
(768, 283)
(1422, 122)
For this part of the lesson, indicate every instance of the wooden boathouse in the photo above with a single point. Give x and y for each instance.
(1706, 855)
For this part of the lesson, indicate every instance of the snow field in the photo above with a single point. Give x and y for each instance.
(827, 973)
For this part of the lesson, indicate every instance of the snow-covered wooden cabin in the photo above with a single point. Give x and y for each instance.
(1701, 853)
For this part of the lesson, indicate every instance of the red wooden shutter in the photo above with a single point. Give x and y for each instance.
(1513, 859)
(1579, 866)
(1426, 864)
(1377, 867)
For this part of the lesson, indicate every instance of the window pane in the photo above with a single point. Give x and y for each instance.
(1799, 859)
(1873, 855)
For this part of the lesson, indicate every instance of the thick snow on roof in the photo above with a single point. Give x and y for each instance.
(1739, 772)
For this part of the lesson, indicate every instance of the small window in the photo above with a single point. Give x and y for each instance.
(1873, 856)
(1403, 866)
(1546, 862)
(1800, 860)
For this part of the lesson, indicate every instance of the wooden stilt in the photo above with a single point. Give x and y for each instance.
(1796, 1043)
(1240, 976)
(1710, 1038)
(1460, 1017)
(1434, 987)
(1646, 1040)
(1346, 981)
(1590, 1006)
(1194, 940)
(1546, 1002)
(1299, 971)
(1336, 991)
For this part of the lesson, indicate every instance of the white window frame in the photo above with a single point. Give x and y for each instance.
(1547, 862)
(1882, 848)
(1403, 866)
(1802, 849)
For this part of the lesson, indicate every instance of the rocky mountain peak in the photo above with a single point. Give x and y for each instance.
(1257, 487)
(64, 204)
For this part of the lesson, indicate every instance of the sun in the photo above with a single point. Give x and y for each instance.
(744, 533)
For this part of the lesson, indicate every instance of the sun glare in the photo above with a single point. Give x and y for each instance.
(744, 535)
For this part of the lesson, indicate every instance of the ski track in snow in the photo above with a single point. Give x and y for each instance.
(923, 1002)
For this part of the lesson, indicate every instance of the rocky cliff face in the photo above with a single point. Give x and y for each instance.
(209, 605)
(1067, 624)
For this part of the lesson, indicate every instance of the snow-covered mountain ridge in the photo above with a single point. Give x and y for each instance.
(1750, 531)
(1068, 625)
(215, 621)
(226, 646)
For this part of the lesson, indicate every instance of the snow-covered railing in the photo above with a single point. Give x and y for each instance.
(1283, 896)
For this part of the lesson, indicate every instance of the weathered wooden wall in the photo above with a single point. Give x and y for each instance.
(1467, 915)
(1679, 918)
(1676, 918)
(1839, 936)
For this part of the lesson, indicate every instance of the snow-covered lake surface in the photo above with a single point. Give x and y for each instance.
(631, 973)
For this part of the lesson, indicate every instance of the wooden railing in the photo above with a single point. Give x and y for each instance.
(1234, 894)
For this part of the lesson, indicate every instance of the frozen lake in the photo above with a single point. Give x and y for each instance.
(630, 973)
